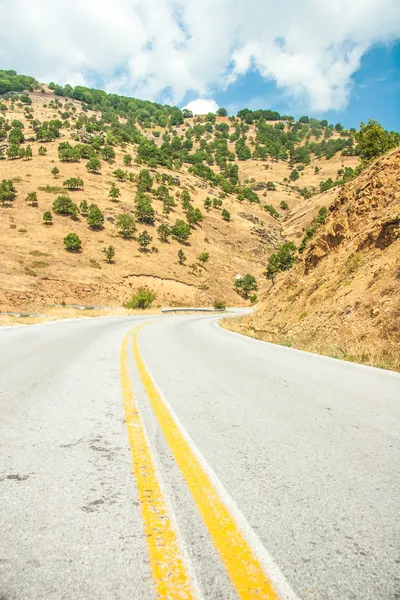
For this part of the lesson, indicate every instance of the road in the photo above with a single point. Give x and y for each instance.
(164, 457)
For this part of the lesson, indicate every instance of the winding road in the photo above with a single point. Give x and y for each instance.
(164, 457)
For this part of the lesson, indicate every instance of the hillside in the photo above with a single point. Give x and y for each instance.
(343, 296)
(242, 164)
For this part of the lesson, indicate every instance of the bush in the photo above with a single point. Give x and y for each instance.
(164, 231)
(125, 223)
(203, 257)
(63, 205)
(114, 192)
(93, 165)
(42, 150)
(144, 210)
(55, 171)
(181, 256)
(219, 304)
(72, 243)
(284, 205)
(226, 215)
(83, 208)
(143, 298)
(47, 218)
(32, 198)
(272, 211)
(127, 160)
(145, 181)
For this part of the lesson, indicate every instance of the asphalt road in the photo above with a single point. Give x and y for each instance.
(184, 461)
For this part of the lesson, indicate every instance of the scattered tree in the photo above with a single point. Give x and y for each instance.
(222, 112)
(207, 204)
(181, 256)
(42, 150)
(72, 242)
(63, 205)
(93, 165)
(120, 174)
(203, 258)
(109, 252)
(32, 198)
(143, 298)
(55, 172)
(374, 140)
(226, 215)
(127, 160)
(47, 218)
(181, 230)
(245, 285)
(125, 223)
(284, 205)
(74, 183)
(145, 181)
(282, 260)
(7, 191)
(95, 217)
(144, 210)
(164, 232)
(144, 239)
(83, 208)
(114, 192)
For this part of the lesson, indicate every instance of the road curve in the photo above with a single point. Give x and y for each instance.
(145, 457)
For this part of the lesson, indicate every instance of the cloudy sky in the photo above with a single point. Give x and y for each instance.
(340, 59)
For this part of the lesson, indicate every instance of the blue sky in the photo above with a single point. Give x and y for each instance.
(375, 93)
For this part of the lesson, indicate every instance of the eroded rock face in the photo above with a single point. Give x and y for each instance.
(366, 211)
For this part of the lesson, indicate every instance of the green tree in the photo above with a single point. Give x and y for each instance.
(7, 191)
(226, 215)
(32, 198)
(164, 232)
(374, 140)
(95, 217)
(42, 150)
(120, 174)
(108, 153)
(16, 136)
(207, 204)
(109, 252)
(181, 256)
(55, 172)
(282, 260)
(181, 230)
(222, 112)
(28, 152)
(47, 218)
(168, 204)
(203, 257)
(217, 202)
(125, 223)
(14, 151)
(114, 192)
(93, 165)
(74, 183)
(127, 160)
(145, 181)
(284, 205)
(294, 175)
(144, 210)
(63, 205)
(72, 242)
(194, 215)
(144, 239)
(83, 208)
(245, 285)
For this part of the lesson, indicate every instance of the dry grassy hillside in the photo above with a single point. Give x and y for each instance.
(343, 297)
(36, 271)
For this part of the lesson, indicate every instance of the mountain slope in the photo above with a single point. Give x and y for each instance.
(343, 296)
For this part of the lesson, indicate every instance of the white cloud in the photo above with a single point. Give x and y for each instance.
(165, 48)
(202, 106)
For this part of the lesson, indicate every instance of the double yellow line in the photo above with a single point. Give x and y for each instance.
(169, 569)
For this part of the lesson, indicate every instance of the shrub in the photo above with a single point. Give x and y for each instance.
(272, 211)
(144, 210)
(284, 205)
(145, 181)
(42, 150)
(245, 285)
(181, 256)
(217, 202)
(83, 208)
(194, 215)
(63, 205)
(55, 171)
(219, 304)
(125, 223)
(95, 217)
(127, 160)
(144, 239)
(109, 252)
(47, 218)
(143, 298)
(120, 174)
(226, 215)
(207, 204)
(203, 257)
(72, 243)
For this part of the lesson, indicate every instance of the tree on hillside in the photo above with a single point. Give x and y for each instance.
(222, 112)
(181, 256)
(47, 218)
(144, 239)
(93, 165)
(72, 242)
(109, 252)
(203, 257)
(7, 191)
(127, 160)
(32, 198)
(73, 183)
(114, 192)
(245, 285)
(144, 210)
(55, 172)
(181, 230)
(374, 140)
(145, 181)
(164, 232)
(95, 217)
(282, 260)
(125, 223)
(63, 205)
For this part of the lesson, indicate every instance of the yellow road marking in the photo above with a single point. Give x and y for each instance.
(169, 573)
(243, 567)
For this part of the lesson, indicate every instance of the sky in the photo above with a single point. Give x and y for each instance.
(334, 60)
